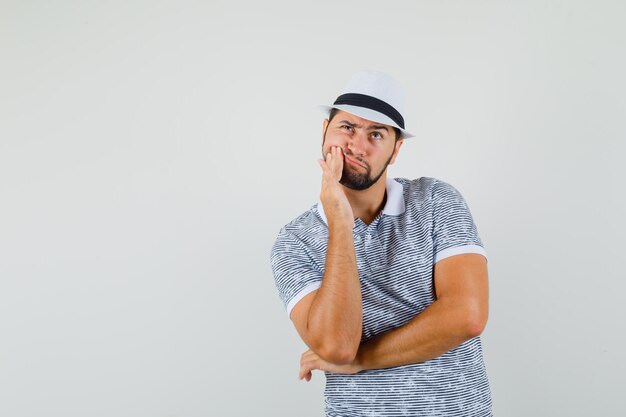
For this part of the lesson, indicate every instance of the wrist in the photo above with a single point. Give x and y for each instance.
(341, 225)
(340, 220)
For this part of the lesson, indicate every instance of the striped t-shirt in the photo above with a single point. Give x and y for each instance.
(423, 221)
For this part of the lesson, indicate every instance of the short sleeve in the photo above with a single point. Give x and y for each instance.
(454, 231)
(295, 272)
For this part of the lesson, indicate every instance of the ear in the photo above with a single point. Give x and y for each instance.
(396, 150)
(324, 127)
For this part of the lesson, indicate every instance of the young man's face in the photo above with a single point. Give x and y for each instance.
(368, 148)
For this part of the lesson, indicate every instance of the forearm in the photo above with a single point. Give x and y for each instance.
(335, 318)
(439, 328)
(459, 314)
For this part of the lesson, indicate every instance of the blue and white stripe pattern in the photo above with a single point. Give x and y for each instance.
(424, 220)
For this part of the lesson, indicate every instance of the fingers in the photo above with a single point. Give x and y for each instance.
(333, 163)
(305, 372)
(325, 169)
(308, 363)
(336, 162)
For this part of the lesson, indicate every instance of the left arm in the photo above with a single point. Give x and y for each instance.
(458, 314)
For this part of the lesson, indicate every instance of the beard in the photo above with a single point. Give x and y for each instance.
(360, 180)
(356, 180)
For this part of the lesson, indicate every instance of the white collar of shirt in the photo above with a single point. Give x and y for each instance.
(394, 205)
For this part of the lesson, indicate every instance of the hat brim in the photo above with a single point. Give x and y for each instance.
(368, 114)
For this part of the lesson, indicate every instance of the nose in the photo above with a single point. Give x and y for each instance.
(357, 142)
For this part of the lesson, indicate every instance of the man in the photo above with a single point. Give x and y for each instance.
(385, 279)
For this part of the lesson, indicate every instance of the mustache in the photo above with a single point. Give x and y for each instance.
(356, 157)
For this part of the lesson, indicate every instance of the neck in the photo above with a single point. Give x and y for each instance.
(367, 204)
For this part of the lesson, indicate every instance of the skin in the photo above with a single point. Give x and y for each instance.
(363, 143)
(329, 320)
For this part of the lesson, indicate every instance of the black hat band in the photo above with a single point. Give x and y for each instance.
(373, 103)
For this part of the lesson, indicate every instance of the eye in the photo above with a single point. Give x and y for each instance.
(376, 135)
(347, 127)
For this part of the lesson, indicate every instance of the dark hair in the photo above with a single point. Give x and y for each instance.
(334, 111)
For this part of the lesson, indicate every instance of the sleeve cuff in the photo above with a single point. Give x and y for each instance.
(301, 294)
(458, 250)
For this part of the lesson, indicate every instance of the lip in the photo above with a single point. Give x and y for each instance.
(354, 161)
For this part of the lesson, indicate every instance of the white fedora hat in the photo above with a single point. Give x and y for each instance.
(375, 96)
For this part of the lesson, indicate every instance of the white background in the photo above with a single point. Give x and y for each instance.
(150, 151)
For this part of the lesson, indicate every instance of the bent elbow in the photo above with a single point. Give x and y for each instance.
(475, 328)
(341, 357)
(338, 355)
(475, 323)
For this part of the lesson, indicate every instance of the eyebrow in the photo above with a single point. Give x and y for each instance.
(373, 127)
